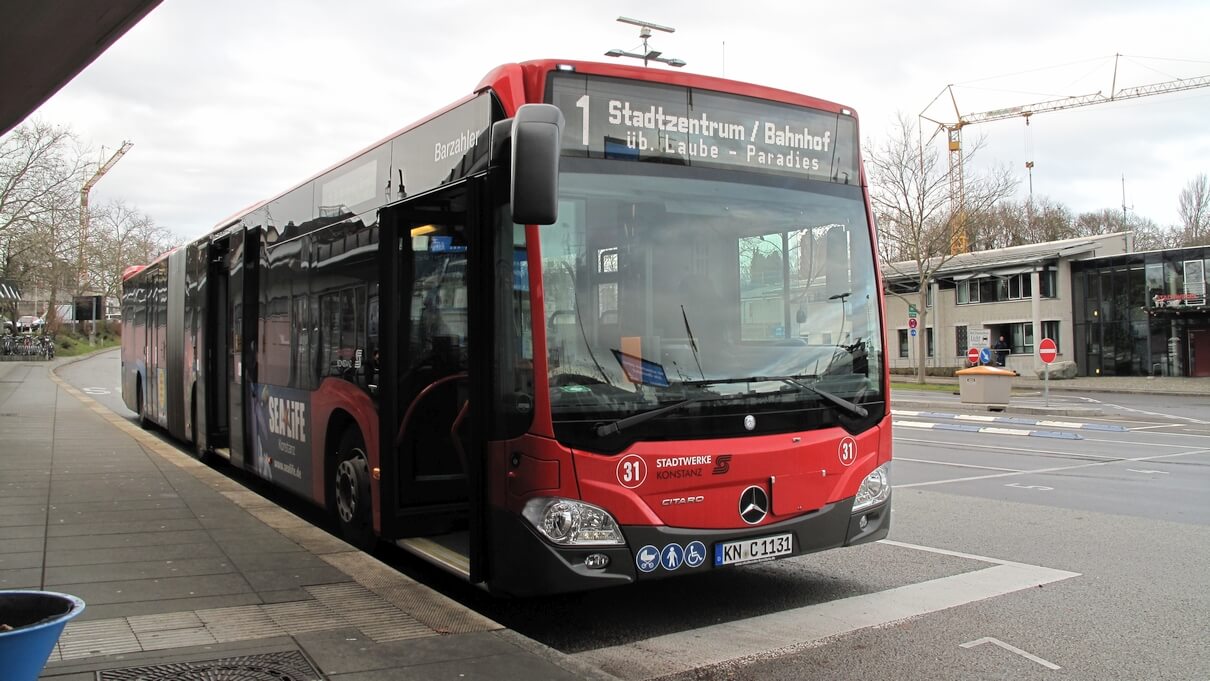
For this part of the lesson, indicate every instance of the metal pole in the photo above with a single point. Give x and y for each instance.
(92, 330)
(1046, 383)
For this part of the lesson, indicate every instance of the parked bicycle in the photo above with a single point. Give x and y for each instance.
(14, 347)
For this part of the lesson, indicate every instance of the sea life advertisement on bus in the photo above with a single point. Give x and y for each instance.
(282, 429)
(637, 121)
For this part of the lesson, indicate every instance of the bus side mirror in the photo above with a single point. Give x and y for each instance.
(534, 192)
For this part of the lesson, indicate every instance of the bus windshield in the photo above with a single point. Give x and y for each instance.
(744, 293)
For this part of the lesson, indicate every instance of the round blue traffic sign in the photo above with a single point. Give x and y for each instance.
(672, 556)
(647, 559)
(695, 554)
(985, 355)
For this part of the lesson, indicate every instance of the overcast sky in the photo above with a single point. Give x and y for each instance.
(230, 102)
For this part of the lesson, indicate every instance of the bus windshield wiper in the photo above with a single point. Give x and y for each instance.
(607, 429)
(854, 409)
(796, 381)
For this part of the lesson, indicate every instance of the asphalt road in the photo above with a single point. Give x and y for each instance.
(1082, 554)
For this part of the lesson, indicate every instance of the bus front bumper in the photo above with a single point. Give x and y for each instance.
(528, 565)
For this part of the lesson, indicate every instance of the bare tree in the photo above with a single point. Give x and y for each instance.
(909, 189)
(1098, 222)
(40, 172)
(1019, 223)
(121, 236)
(1004, 224)
(37, 164)
(1149, 236)
(1050, 221)
(48, 247)
(1195, 211)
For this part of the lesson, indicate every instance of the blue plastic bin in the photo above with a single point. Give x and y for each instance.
(37, 618)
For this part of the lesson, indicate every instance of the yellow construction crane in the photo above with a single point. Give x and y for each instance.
(104, 168)
(960, 242)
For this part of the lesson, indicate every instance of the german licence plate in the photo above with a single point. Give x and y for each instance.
(749, 550)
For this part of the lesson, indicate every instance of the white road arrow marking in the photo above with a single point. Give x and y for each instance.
(1011, 649)
(1040, 488)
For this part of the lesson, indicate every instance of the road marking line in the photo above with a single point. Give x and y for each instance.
(776, 634)
(1054, 469)
(1005, 431)
(1013, 420)
(962, 427)
(949, 552)
(959, 465)
(1003, 448)
(1149, 413)
(1148, 443)
(1011, 649)
(1164, 425)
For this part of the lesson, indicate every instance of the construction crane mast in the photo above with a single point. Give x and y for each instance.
(960, 242)
(84, 218)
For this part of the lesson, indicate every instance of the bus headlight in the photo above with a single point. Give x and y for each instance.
(875, 489)
(568, 522)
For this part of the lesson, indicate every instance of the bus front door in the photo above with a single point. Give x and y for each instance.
(426, 335)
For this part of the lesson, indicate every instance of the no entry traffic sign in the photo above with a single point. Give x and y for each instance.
(973, 355)
(1047, 350)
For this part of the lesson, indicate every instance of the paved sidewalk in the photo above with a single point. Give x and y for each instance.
(1160, 385)
(1027, 394)
(182, 567)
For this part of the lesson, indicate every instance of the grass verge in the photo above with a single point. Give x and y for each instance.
(72, 345)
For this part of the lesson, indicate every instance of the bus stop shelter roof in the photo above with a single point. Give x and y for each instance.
(46, 44)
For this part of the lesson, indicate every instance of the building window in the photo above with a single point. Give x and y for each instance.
(995, 289)
(1020, 286)
(903, 343)
(968, 292)
(960, 346)
(1051, 330)
(928, 295)
(1047, 281)
(1022, 338)
(928, 334)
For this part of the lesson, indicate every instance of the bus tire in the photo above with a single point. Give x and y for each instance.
(144, 422)
(351, 491)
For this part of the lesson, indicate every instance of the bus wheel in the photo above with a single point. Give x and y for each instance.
(351, 491)
(144, 422)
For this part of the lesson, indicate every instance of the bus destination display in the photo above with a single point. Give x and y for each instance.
(631, 120)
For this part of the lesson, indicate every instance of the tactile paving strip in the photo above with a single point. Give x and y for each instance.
(439, 613)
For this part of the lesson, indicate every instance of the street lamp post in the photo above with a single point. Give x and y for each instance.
(647, 55)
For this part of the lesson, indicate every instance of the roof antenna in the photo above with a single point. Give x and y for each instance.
(647, 54)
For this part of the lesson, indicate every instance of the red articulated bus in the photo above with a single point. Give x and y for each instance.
(588, 326)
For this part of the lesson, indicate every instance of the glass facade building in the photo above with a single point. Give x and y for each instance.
(1142, 314)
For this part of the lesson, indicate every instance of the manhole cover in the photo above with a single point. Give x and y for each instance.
(288, 666)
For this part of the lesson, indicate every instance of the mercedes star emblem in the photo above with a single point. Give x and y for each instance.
(753, 505)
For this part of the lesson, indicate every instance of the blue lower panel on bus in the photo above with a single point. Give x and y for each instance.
(281, 429)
